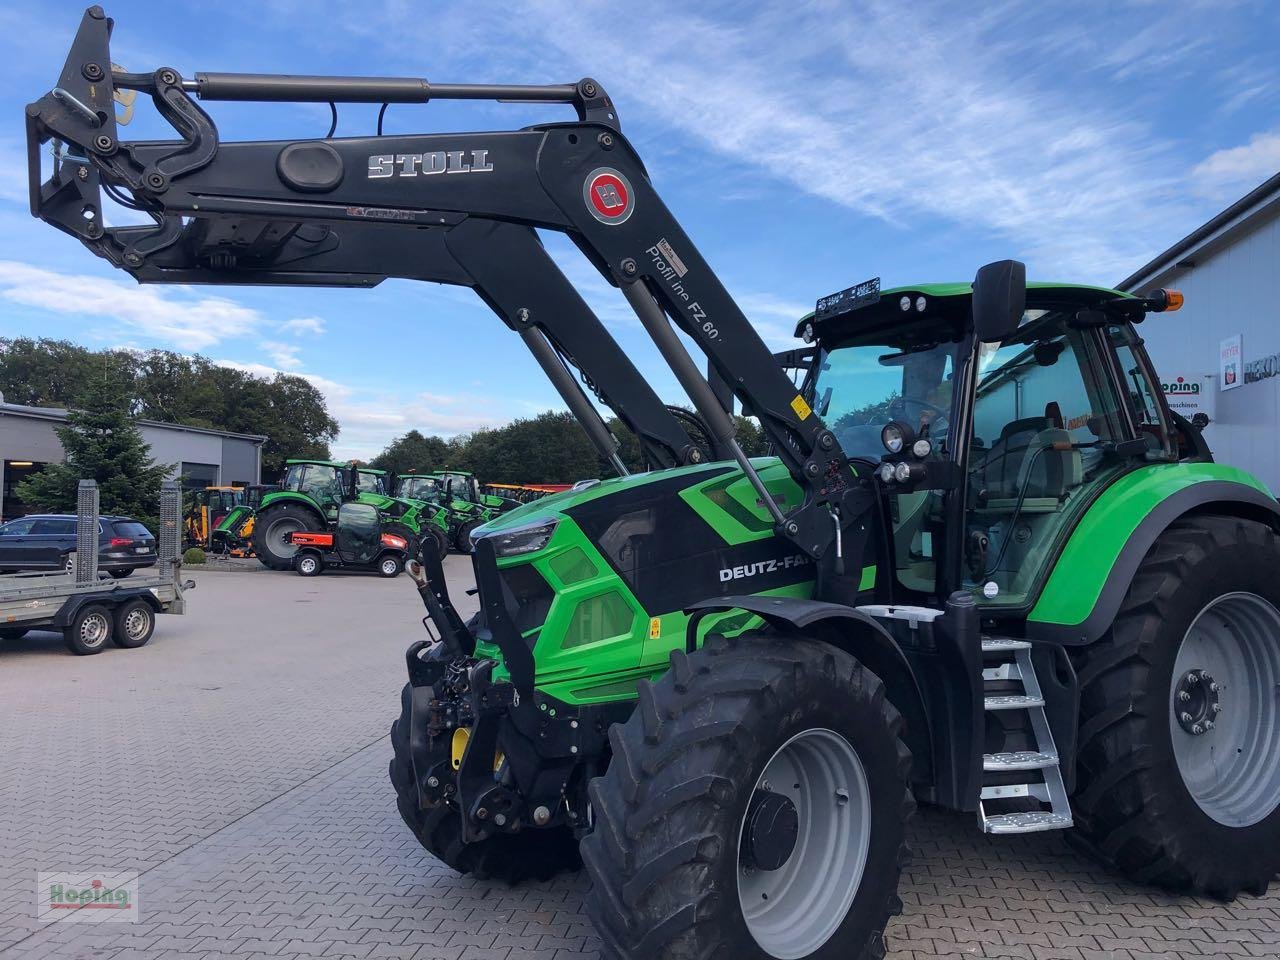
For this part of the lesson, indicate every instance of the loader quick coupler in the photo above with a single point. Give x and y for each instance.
(504, 762)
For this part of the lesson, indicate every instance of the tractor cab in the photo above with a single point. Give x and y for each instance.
(984, 452)
(425, 487)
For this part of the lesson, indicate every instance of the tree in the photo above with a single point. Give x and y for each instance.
(102, 443)
(413, 453)
(52, 373)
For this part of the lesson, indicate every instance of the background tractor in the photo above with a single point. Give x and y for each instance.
(204, 511)
(459, 493)
(233, 534)
(986, 567)
(310, 495)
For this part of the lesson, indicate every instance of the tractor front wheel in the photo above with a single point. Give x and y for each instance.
(271, 534)
(1179, 760)
(464, 542)
(532, 854)
(755, 806)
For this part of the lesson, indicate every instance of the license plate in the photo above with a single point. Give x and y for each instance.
(141, 549)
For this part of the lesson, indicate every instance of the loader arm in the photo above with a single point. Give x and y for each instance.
(581, 178)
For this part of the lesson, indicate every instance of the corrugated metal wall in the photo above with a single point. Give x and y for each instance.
(1234, 291)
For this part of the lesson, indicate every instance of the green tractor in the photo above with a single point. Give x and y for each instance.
(310, 495)
(459, 492)
(986, 568)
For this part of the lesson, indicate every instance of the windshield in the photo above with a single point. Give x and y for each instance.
(858, 388)
(370, 483)
(419, 488)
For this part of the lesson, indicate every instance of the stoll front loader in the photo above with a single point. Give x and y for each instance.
(987, 568)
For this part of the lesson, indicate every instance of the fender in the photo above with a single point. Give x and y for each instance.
(858, 634)
(290, 498)
(1088, 583)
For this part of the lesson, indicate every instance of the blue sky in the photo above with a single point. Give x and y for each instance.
(804, 146)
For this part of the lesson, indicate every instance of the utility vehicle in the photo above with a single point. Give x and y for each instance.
(987, 568)
(310, 494)
(358, 542)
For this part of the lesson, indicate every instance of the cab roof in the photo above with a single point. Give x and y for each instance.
(337, 464)
(953, 299)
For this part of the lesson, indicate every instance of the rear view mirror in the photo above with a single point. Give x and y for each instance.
(999, 300)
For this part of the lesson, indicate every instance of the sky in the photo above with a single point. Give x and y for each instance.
(803, 146)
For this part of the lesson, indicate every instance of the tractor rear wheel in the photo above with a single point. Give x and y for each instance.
(755, 806)
(1179, 759)
(532, 854)
(464, 542)
(271, 534)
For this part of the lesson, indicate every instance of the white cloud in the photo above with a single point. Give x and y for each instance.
(300, 325)
(1241, 167)
(284, 355)
(175, 316)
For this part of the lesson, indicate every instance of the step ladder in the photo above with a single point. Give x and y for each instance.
(1005, 660)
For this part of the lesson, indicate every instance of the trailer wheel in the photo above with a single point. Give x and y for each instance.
(464, 542)
(755, 806)
(532, 854)
(89, 631)
(135, 622)
(1179, 763)
(271, 534)
(389, 565)
(308, 563)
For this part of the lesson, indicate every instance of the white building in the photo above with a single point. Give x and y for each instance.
(1225, 341)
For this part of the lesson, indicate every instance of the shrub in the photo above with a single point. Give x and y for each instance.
(193, 556)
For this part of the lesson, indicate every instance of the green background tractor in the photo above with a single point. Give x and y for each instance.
(310, 495)
(459, 492)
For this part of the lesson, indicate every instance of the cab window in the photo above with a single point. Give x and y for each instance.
(1146, 408)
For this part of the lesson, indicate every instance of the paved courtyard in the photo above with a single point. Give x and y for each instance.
(238, 763)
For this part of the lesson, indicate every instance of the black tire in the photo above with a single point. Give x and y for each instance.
(308, 563)
(13, 633)
(120, 574)
(133, 624)
(664, 879)
(270, 529)
(390, 565)
(433, 538)
(464, 543)
(532, 854)
(1133, 809)
(89, 631)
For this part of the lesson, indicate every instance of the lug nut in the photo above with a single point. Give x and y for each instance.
(1213, 686)
(1184, 696)
(1208, 724)
(1197, 729)
(1193, 678)
(541, 816)
(1216, 709)
(500, 819)
(433, 782)
(1185, 717)
(482, 814)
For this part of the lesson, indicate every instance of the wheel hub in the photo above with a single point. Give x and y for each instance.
(771, 828)
(1196, 702)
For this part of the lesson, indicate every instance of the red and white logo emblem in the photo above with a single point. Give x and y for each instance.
(607, 194)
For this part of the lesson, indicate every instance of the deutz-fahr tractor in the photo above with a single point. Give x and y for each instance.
(459, 493)
(986, 568)
(310, 494)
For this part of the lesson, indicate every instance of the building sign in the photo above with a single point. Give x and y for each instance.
(1256, 370)
(1190, 394)
(1230, 363)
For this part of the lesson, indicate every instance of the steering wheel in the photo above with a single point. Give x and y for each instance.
(897, 411)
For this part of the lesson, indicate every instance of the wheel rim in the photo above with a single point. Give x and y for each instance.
(308, 565)
(136, 623)
(93, 629)
(278, 536)
(793, 910)
(388, 567)
(70, 565)
(1225, 718)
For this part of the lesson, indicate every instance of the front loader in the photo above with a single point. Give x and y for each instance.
(987, 567)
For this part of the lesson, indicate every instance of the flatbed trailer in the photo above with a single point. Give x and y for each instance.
(87, 609)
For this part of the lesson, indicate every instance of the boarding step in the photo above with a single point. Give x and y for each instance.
(1003, 645)
(1045, 787)
(1018, 760)
(1017, 701)
(1032, 821)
